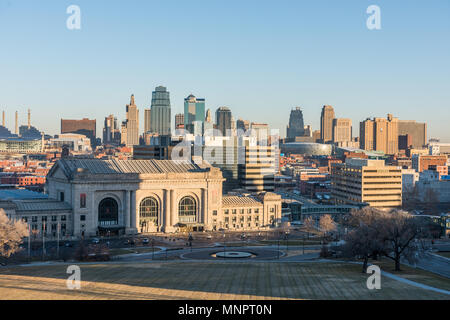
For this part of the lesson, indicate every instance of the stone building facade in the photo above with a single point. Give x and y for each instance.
(92, 197)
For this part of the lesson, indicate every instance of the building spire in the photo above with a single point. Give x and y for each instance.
(132, 100)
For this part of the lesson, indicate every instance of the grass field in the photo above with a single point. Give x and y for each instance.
(185, 280)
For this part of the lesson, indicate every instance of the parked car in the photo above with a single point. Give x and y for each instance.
(95, 241)
(68, 245)
(209, 237)
(145, 241)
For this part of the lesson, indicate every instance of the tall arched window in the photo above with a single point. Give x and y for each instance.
(108, 212)
(148, 213)
(187, 210)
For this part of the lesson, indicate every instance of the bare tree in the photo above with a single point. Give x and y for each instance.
(327, 224)
(309, 225)
(401, 233)
(12, 233)
(364, 240)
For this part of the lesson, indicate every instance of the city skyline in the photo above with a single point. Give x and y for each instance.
(90, 72)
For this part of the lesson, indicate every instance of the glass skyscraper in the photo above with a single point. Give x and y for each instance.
(160, 111)
(194, 114)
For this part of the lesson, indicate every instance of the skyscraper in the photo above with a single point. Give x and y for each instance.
(179, 120)
(132, 124)
(342, 130)
(147, 119)
(379, 134)
(160, 112)
(243, 125)
(296, 127)
(223, 120)
(326, 124)
(194, 114)
(111, 131)
(417, 131)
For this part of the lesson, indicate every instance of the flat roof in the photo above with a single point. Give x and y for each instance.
(21, 194)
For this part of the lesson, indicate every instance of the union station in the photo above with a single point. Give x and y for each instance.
(92, 197)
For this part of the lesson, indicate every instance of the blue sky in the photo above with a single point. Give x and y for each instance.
(260, 58)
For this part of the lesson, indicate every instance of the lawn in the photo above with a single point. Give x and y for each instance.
(206, 280)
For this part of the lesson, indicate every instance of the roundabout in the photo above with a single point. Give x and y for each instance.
(233, 254)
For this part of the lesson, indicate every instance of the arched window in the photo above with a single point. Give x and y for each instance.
(148, 213)
(187, 210)
(108, 213)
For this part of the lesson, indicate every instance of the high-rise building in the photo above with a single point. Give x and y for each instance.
(85, 127)
(417, 131)
(147, 120)
(379, 134)
(223, 120)
(261, 131)
(243, 125)
(160, 112)
(111, 131)
(423, 162)
(194, 114)
(179, 120)
(326, 124)
(342, 130)
(208, 125)
(131, 124)
(257, 173)
(366, 181)
(296, 127)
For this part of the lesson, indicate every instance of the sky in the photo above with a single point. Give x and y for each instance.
(260, 58)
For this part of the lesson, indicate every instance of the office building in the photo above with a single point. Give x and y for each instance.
(417, 131)
(111, 131)
(194, 114)
(326, 124)
(147, 119)
(179, 120)
(379, 134)
(421, 163)
(84, 127)
(160, 119)
(223, 120)
(342, 130)
(130, 127)
(366, 181)
(243, 125)
(296, 127)
(257, 173)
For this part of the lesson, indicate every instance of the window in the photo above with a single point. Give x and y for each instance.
(148, 213)
(241, 211)
(83, 200)
(187, 210)
(82, 217)
(249, 211)
(63, 218)
(256, 210)
(233, 211)
(226, 211)
(34, 219)
(44, 219)
(61, 196)
(25, 219)
(54, 218)
(214, 212)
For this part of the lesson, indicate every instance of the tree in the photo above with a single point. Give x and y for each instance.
(327, 224)
(309, 225)
(12, 233)
(400, 233)
(364, 240)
